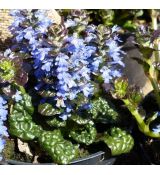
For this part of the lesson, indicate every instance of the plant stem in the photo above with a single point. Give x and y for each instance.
(141, 124)
(154, 73)
(156, 90)
(154, 15)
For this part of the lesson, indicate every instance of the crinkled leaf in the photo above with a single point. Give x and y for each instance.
(79, 120)
(103, 111)
(47, 93)
(55, 122)
(120, 88)
(47, 109)
(7, 70)
(20, 120)
(64, 152)
(11, 71)
(118, 141)
(61, 151)
(85, 134)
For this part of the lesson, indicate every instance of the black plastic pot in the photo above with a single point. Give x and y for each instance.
(93, 159)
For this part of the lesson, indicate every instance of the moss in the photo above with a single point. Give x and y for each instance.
(9, 150)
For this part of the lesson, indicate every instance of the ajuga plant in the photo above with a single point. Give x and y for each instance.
(68, 64)
(147, 41)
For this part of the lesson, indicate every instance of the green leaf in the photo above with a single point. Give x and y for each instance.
(24, 130)
(47, 109)
(120, 88)
(47, 93)
(61, 151)
(20, 120)
(103, 111)
(118, 141)
(56, 122)
(65, 152)
(134, 96)
(11, 71)
(8, 71)
(84, 134)
(79, 120)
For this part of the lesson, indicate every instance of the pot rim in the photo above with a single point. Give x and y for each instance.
(74, 162)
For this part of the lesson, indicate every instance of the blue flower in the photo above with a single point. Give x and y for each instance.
(76, 61)
(116, 73)
(2, 101)
(106, 74)
(40, 14)
(3, 109)
(70, 23)
(95, 64)
(2, 144)
(61, 60)
(73, 93)
(40, 53)
(3, 130)
(87, 90)
(90, 37)
(64, 116)
(17, 96)
(75, 43)
(43, 25)
(115, 28)
(3, 114)
(29, 33)
(47, 66)
(115, 52)
(86, 106)
(156, 129)
(85, 73)
(7, 52)
(68, 108)
(19, 18)
(91, 28)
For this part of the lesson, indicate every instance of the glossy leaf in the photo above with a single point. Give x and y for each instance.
(46, 93)
(60, 150)
(85, 134)
(47, 109)
(56, 122)
(20, 120)
(79, 120)
(103, 111)
(118, 141)
(120, 88)
(11, 71)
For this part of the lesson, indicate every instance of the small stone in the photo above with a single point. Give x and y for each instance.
(24, 148)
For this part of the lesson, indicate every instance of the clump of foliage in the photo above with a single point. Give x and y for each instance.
(70, 63)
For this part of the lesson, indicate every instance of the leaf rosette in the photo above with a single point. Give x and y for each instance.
(11, 71)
